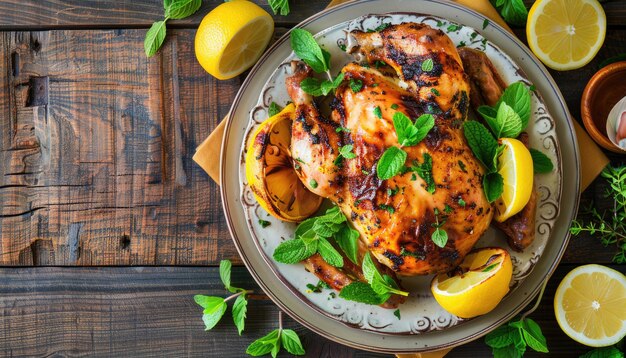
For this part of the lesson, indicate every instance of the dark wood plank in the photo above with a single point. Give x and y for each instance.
(63, 14)
(101, 173)
(148, 311)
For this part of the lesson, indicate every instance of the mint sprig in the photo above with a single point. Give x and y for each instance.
(174, 9)
(390, 163)
(541, 162)
(279, 7)
(312, 236)
(304, 46)
(273, 341)
(215, 307)
(512, 339)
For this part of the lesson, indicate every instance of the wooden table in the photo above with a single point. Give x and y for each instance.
(107, 227)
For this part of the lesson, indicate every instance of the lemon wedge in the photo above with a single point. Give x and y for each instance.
(590, 305)
(232, 37)
(566, 34)
(515, 164)
(477, 285)
(270, 172)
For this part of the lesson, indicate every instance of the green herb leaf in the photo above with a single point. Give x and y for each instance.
(501, 336)
(482, 143)
(346, 151)
(605, 352)
(513, 11)
(355, 85)
(313, 183)
(541, 162)
(382, 285)
(361, 292)
(225, 268)
(517, 96)
(180, 9)
(279, 7)
(485, 24)
(293, 251)
(291, 342)
(427, 65)
(405, 130)
(166, 4)
(508, 122)
(214, 308)
(493, 185)
(424, 124)
(348, 241)
(425, 171)
(240, 307)
(329, 253)
(533, 336)
(267, 344)
(305, 47)
(397, 313)
(377, 112)
(274, 109)
(154, 38)
(390, 163)
(440, 237)
(264, 223)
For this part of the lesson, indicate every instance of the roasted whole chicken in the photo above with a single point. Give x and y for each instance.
(395, 217)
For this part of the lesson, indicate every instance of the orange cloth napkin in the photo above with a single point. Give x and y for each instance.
(592, 158)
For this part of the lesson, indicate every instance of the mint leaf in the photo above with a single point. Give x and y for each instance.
(291, 342)
(482, 143)
(517, 96)
(180, 9)
(369, 269)
(346, 151)
(312, 86)
(506, 352)
(329, 253)
(279, 7)
(397, 313)
(541, 163)
(305, 47)
(425, 171)
(439, 237)
(355, 85)
(166, 3)
(293, 251)
(424, 124)
(377, 112)
(361, 292)
(214, 308)
(348, 241)
(390, 163)
(240, 307)
(605, 352)
(493, 185)
(382, 285)
(513, 11)
(500, 337)
(154, 38)
(405, 130)
(427, 65)
(274, 109)
(489, 114)
(269, 343)
(304, 227)
(508, 122)
(533, 336)
(225, 268)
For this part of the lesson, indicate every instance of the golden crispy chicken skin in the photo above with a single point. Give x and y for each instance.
(396, 217)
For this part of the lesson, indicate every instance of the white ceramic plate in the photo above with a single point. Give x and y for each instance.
(286, 284)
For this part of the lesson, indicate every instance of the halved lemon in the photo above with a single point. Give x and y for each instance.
(566, 34)
(232, 37)
(477, 285)
(270, 172)
(590, 305)
(515, 164)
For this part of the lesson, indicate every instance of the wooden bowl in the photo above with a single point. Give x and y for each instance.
(604, 90)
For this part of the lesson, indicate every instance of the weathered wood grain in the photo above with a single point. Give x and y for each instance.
(100, 172)
(63, 14)
(148, 311)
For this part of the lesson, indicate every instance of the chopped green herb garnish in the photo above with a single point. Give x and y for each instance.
(435, 91)
(389, 208)
(264, 223)
(355, 85)
(427, 65)
(342, 129)
(377, 112)
(462, 166)
(461, 202)
(313, 183)
(394, 106)
(397, 313)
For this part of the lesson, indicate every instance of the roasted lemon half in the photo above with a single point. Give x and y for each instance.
(270, 171)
